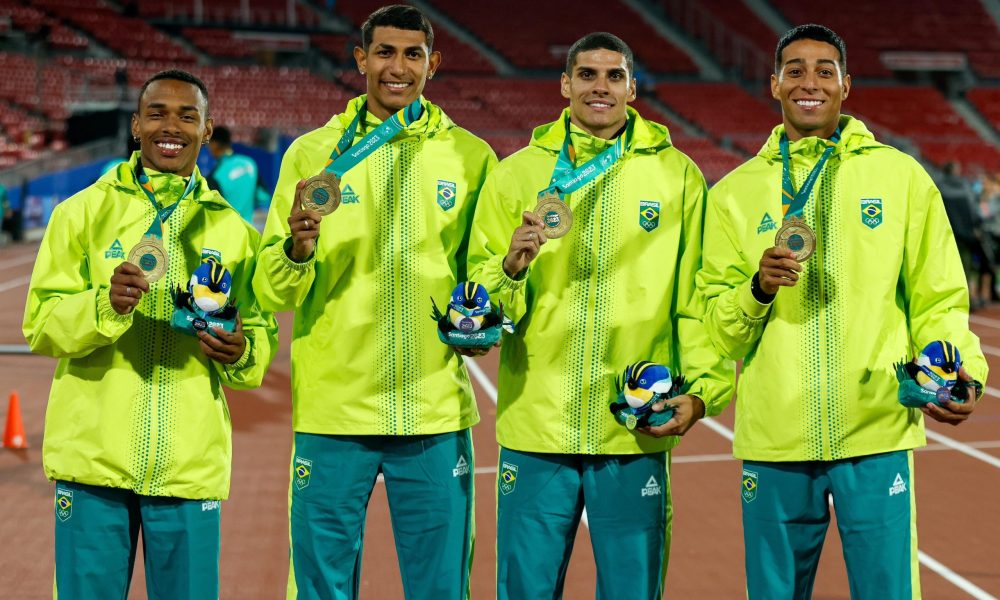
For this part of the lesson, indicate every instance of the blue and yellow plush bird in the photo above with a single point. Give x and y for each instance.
(209, 286)
(470, 303)
(938, 366)
(640, 386)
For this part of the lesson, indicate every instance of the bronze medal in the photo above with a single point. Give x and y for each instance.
(321, 193)
(150, 256)
(796, 236)
(555, 215)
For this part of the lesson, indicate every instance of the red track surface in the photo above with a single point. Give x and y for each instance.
(956, 493)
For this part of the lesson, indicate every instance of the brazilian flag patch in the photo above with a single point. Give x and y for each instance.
(64, 504)
(749, 486)
(303, 471)
(871, 212)
(508, 478)
(649, 214)
(446, 194)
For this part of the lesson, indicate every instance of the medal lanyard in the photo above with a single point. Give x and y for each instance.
(347, 154)
(566, 179)
(792, 202)
(162, 214)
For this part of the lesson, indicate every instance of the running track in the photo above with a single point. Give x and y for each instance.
(958, 476)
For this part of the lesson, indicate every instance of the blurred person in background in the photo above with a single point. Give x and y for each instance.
(235, 176)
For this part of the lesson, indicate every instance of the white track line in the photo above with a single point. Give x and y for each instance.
(991, 350)
(953, 577)
(986, 321)
(15, 262)
(17, 282)
(964, 448)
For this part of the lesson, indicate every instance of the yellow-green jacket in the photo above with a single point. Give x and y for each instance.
(366, 358)
(134, 404)
(817, 380)
(618, 288)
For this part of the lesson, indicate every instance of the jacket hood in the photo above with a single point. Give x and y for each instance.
(855, 138)
(646, 136)
(123, 176)
(433, 120)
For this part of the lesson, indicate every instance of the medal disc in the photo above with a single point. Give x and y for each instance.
(630, 422)
(151, 257)
(321, 193)
(796, 236)
(555, 215)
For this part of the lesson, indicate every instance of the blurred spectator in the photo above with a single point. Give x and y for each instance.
(967, 223)
(989, 209)
(131, 145)
(235, 176)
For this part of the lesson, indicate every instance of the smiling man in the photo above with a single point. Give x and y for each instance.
(614, 287)
(137, 432)
(373, 389)
(820, 293)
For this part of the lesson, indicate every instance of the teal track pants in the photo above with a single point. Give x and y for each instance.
(96, 539)
(540, 501)
(429, 484)
(786, 514)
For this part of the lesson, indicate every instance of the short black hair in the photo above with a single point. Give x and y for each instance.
(222, 136)
(176, 75)
(600, 40)
(812, 31)
(400, 16)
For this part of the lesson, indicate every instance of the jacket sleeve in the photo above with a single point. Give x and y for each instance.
(279, 283)
(498, 214)
(711, 375)
(259, 328)
(480, 172)
(733, 317)
(66, 314)
(935, 289)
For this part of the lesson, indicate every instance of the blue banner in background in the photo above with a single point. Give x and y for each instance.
(39, 196)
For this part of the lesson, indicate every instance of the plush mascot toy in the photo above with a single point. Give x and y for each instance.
(933, 377)
(205, 305)
(470, 321)
(640, 386)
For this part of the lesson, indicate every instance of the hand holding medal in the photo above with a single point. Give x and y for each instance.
(127, 287)
(304, 225)
(525, 244)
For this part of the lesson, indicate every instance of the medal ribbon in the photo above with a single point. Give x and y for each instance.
(792, 202)
(344, 156)
(162, 214)
(566, 179)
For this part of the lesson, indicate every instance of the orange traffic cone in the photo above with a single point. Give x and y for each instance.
(13, 435)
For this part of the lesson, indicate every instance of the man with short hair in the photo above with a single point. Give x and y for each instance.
(817, 415)
(137, 432)
(615, 288)
(235, 175)
(373, 390)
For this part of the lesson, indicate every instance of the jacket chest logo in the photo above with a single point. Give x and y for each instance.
(871, 212)
(649, 214)
(446, 193)
(766, 224)
(115, 251)
(348, 196)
